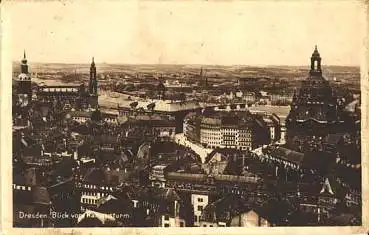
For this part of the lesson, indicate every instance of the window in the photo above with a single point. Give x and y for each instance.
(166, 217)
(200, 199)
(200, 208)
(204, 225)
(166, 225)
(181, 224)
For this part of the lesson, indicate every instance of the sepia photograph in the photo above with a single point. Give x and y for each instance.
(182, 114)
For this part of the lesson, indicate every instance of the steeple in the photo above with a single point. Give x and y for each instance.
(24, 81)
(93, 80)
(24, 66)
(315, 62)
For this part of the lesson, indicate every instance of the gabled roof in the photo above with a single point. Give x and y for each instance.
(224, 152)
(327, 189)
(213, 153)
(287, 154)
(103, 218)
(112, 204)
(333, 188)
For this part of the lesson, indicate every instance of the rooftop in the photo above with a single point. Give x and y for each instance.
(286, 154)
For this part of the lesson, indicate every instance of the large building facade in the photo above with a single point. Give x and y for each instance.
(241, 130)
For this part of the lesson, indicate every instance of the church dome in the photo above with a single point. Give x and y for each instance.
(23, 77)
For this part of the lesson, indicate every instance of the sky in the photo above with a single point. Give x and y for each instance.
(186, 32)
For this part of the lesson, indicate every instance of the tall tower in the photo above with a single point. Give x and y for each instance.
(315, 63)
(93, 79)
(24, 65)
(24, 83)
(93, 96)
(203, 78)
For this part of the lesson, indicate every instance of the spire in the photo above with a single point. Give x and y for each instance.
(24, 66)
(327, 187)
(316, 52)
(93, 80)
(24, 60)
(315, 62)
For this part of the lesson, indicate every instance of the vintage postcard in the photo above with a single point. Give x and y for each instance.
(184, 117)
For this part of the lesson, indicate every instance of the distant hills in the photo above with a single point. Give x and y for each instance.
(344, 76)
(167, 68)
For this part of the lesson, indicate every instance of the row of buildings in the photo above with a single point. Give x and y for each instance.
(238, 130)
(281, 98)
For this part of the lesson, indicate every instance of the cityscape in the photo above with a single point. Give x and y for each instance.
(103, 145)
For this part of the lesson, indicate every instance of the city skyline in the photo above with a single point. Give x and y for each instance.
(175, 114)
(160, 30)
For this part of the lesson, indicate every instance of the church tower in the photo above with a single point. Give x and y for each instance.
(315, 63)
(314, 111)
(93, 101)
(24, 83)
(24, 65)
(93, 79)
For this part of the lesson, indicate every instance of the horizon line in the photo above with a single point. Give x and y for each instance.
(195, 64)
